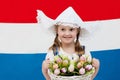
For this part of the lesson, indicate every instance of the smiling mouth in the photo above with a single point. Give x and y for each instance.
(67, 37)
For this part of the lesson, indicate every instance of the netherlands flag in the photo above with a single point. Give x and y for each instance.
(23, 43)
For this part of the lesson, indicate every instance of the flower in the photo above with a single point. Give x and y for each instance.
(75, 57)
(55, 66)
(58, 59)
(64, 70)
(57, 71)
(88, 67)
(62, 65)
(82, 71)
(83, 58)
(79, 64)
(89, 59)
(65, 62)
(71, 68)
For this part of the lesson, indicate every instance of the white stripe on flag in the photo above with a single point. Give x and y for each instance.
(31, 38)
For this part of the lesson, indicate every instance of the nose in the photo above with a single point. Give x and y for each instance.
(67, 33)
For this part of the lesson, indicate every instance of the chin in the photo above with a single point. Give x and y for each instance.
(67, 41)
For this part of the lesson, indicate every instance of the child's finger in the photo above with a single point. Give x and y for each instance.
(95, 62)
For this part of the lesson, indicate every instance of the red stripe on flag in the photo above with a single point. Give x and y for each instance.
(24, 11)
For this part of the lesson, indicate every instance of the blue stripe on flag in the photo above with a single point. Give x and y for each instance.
(21, 66)
(109, 64)
(28, 66)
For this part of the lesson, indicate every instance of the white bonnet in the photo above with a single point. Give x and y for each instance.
(67, 17)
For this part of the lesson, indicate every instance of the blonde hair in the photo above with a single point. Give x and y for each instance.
(57, 44)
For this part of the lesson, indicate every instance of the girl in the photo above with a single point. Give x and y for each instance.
(66, 42)
(67, 31)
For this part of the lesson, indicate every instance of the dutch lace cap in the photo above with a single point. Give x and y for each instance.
(67, 18)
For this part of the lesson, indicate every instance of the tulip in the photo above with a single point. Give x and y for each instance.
(71, 68)
(64, 70)
(55, 66)
(83, 58)
(58, 60)
(88, 67)
(75, 57)
(65, 62)
(57, 71)
(79, 65)
(82, 71)
(89, 59)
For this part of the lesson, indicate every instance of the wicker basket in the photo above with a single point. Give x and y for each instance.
(81, 77)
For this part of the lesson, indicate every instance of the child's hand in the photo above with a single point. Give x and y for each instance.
(46, 63)
(45, 66)
(95, 63)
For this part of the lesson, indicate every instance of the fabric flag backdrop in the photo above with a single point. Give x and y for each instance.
(23, 45)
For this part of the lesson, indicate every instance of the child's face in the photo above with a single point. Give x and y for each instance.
(66, 34)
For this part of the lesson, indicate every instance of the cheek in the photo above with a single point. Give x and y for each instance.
(60, 34)
(74, 34)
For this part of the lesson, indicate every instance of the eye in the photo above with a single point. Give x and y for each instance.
(71, 29)
(62, 29)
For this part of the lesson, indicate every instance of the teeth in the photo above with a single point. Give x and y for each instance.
(66, 37)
